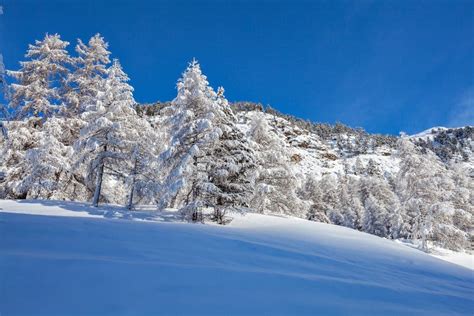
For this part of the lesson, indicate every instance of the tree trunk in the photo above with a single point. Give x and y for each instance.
(100, 175)
(132, 189)
(130, 198)
(98, 187)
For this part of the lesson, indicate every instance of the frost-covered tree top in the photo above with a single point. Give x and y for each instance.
(195, 95)
(112, 109)
(41, 78)
(90, 72)
(94, 55)
(193, 87)
(194, 111)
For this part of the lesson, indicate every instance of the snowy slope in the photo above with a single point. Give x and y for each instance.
(428, 133)
(70, 260)
(318, 157)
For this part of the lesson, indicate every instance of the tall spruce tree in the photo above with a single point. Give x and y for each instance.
(110, 132)
(426, 193)
(275, 183)
(207, 161)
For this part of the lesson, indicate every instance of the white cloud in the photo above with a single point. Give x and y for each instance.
(1, 10)
(462, 113)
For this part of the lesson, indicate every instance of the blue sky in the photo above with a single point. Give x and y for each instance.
(386, 66)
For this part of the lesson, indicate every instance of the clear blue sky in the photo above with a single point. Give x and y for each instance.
(386, 66)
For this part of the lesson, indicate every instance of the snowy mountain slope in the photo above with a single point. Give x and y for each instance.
(312, 155)
(67, 262)
(428, 133)
(320, 156)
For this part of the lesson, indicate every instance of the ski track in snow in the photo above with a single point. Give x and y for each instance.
(64, 258)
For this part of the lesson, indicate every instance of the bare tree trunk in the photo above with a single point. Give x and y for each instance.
(100, 175)
(98, 187)
(130, 197)
(132, 189)
(173, 201)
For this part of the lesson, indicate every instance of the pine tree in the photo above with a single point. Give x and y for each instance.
(41, 79)
(45, 166)
(379, 202)
(231, 165)
(143, 177)
(426, 192)
(275, 184)
(23, 138)
(323, 195)
(318, 209)
(372, 168)
(189, 120)
(87, 80)
(207, 161)
(351, 208)
(358, 168)
(110, 132)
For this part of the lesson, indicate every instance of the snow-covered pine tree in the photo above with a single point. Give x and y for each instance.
(109, 135)
(230, 164)
(23, 137)
(372, 168)
(207, 161)
(143, 177)
(84, 84)
(463, 203)
(358, 168)
(351, 208)
(41, 79)
(189, 122)
(379, 202)
(86, 81)
(426, 194)
(45, 167)
(323, 196)
(331, 198)
(233, 172)
(275, 183)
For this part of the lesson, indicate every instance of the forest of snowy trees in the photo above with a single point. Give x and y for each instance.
(71, 130)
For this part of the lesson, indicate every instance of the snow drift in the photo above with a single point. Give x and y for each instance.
(73, 260)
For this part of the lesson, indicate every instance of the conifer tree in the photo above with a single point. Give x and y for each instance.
(41, 79)
(275, 184)
(110, 132)
(426, 193)
(87, 79)
(208, 160)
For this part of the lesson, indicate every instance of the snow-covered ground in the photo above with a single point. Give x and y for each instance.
(61, 258)
(460, 258)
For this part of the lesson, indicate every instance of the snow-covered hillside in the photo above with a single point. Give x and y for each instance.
(64, 258)
(89, 141)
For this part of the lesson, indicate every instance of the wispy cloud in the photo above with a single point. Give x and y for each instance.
(1, 10)
(462, 113)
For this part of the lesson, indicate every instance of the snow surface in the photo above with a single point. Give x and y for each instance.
(63, 258)
(460, 258)
(428, 133)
